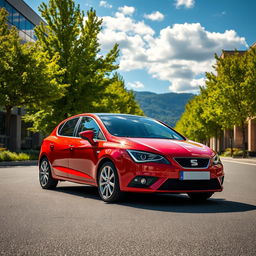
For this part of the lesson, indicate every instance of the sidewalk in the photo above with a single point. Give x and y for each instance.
(18, 163)
(250, 160)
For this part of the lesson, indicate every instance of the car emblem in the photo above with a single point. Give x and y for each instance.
(193, 162)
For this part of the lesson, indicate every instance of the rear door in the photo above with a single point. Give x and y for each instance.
(62, 146)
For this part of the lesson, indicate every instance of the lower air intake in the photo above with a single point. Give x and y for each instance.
(175, 184)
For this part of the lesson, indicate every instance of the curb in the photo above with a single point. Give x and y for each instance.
(18, 163)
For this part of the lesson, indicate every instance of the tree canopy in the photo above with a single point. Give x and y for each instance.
(28, 78)
(93, 85)
(228, 99)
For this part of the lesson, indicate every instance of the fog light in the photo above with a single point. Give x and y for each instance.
(143, 181)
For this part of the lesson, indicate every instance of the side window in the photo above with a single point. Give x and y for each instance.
(68, 128)
(88, 123)
(60, 127)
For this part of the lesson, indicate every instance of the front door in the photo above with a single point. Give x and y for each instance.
(83, 158)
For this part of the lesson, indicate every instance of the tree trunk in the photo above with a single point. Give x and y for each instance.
(244, 141)
(231, 145)
(216, 140)
(8, 124)
(220, 142)
(231, 138)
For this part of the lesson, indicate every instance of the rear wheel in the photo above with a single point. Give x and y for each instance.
(45, 176)
(200, 196)
(108, 183)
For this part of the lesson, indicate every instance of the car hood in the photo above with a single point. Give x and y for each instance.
(178, 148)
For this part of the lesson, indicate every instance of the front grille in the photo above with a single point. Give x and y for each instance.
(186, 185)
(193, 162)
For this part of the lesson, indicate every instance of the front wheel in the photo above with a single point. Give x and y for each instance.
(200, 196)
(45, 176)
(108, 183)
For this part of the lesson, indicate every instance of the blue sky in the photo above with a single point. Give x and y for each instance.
(168, 45)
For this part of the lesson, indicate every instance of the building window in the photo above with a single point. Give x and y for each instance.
(22, 23)
(1, 3)
(10, 11)
(18, 20)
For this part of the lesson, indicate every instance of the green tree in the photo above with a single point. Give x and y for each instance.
(228, 99)
(118, 99)
(250, 80)
(27, 77)
(74, 37)
(235, 90)
(193, 123)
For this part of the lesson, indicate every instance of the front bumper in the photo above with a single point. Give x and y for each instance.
(166, 178)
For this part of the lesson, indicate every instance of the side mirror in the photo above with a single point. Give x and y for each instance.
(88, 135)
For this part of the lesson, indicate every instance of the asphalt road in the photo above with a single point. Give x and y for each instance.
(72, 220)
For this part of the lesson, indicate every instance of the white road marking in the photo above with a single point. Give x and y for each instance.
(231, 161)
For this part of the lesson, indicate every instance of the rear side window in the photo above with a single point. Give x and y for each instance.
(68, 128)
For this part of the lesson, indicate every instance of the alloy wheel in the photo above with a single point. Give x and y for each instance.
(44, 172)
(107, 182)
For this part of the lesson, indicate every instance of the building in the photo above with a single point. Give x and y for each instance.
(25, 19)
(234, 136)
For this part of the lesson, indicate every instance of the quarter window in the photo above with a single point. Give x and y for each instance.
(68, 128)
(87, 123)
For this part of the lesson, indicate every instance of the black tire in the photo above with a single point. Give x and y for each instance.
(108, 183)
(200, 196)
(45, 175)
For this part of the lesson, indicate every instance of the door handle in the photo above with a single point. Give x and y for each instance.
(71, 147)
(51, 146)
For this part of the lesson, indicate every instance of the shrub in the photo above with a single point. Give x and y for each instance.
(6, 155)
(227, 153)
(236, 152)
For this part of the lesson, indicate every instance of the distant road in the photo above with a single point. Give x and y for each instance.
(72, 220)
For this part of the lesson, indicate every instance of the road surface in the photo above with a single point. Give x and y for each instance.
(72, 220)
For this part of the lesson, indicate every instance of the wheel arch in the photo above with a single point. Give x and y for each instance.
(103, 161)
(43, 155)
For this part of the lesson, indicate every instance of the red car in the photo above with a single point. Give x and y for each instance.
(126, 153)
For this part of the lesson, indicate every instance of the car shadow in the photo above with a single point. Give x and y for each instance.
(179, 203)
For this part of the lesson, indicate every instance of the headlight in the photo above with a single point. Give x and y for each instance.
(145, 157)
(216, 160)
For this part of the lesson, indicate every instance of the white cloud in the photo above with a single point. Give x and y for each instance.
(105, 4)
(186, 85)
(185, 3)
(179, 54)
(191, 41)
(198, 82)
(136, 85)
(156, 16)
(127, 10)
(122, 23)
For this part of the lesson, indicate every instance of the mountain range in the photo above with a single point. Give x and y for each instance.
(167, 107)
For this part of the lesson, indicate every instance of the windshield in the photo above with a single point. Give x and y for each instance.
(138, 127)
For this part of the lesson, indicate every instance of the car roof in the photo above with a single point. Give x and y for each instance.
(114, 114)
